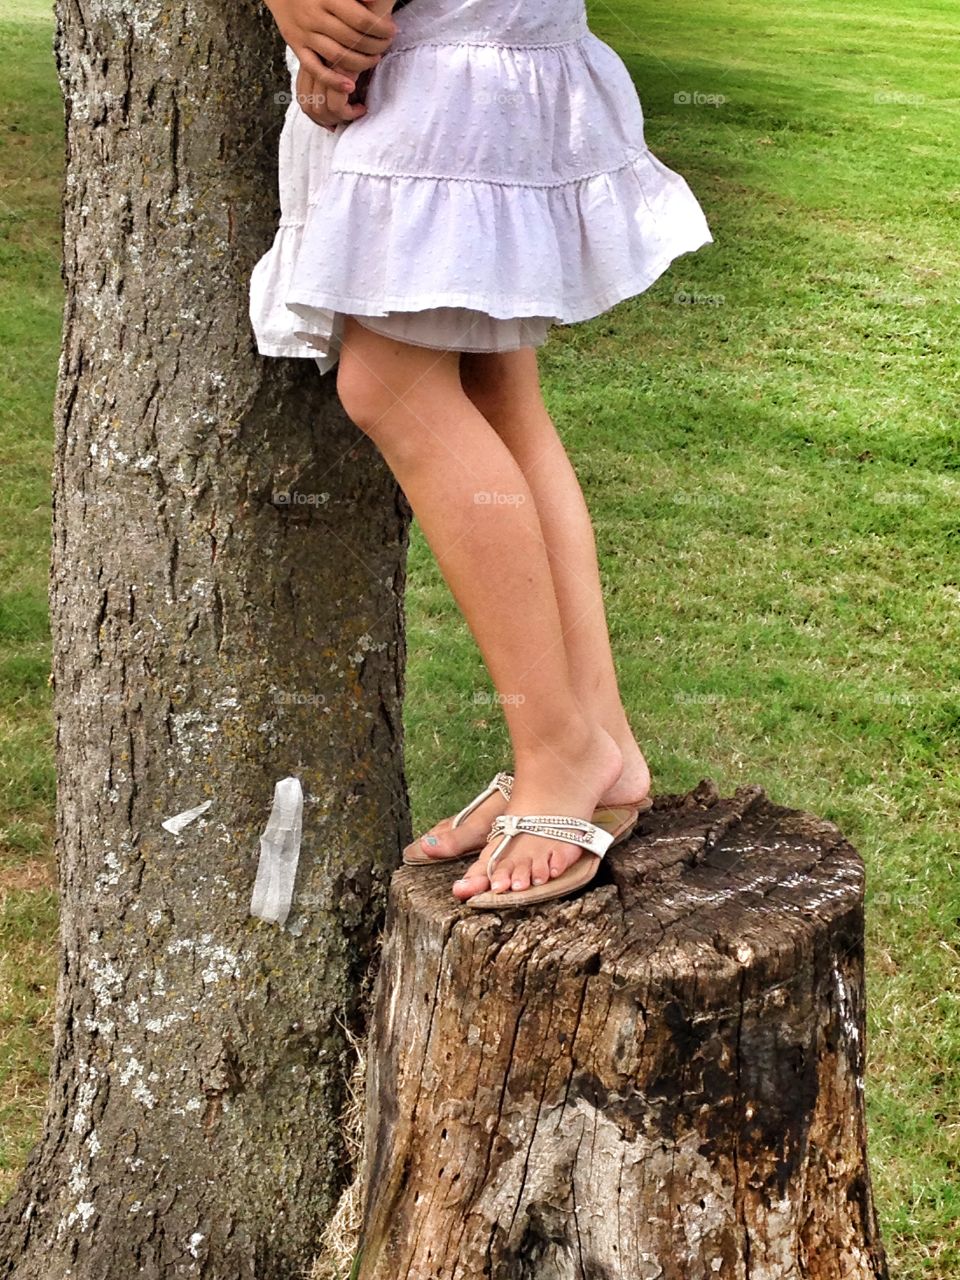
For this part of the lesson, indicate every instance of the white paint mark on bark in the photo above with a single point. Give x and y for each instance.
(847, 1020)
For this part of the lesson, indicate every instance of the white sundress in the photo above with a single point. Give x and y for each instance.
(498, 184)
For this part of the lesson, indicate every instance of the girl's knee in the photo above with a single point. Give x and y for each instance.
(366, 400)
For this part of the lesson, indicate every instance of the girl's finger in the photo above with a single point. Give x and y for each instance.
(350, 38)
(328, 108)
(327, 78)
(355, 15)
(340, 57)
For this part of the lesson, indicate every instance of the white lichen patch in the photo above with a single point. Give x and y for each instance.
(220, 961)
(366, 644)
(111, 877)
(159, 1025)
(133, 1071)
(183, 724)
(193, 1244)
(86, 1092)
(106, 982)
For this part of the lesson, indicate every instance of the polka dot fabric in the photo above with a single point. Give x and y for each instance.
(498, 184)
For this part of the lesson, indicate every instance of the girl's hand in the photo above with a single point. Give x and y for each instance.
(334, 40)
(325, 106)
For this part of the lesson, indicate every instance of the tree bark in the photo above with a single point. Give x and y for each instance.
(226, 593)
(661, 1079)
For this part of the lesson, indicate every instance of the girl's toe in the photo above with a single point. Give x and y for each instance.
(540, 868)
(520, 874)
(474, 880)
(559, 861)
(501, 878)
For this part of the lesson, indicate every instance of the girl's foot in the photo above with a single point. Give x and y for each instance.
(562, 781)
(444, 841)
(633, 782)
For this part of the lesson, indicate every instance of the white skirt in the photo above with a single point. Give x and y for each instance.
(498, 184)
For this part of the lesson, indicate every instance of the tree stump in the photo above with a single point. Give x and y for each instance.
(661, 1079)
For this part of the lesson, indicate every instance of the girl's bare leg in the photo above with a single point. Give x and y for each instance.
(506, 389)
(476, 509)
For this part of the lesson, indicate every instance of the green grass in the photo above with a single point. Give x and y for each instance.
(774, 472)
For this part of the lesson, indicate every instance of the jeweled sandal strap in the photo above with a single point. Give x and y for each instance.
(502, 782)
(552, 827)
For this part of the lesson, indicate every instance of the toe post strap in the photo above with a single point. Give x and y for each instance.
(552, 827)
(502, 782)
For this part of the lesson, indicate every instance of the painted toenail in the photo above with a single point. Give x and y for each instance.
(537, 880)
(431, 839)
(517, 884)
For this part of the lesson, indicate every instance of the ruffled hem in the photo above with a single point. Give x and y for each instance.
(570, 252)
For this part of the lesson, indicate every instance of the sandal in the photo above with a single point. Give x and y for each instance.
(594, 839)
(606, 816)
(413, 854)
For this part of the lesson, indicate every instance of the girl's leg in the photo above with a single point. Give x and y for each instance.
(505, 387)
(477, 512)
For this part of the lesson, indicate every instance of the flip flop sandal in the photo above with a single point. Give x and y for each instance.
(590, 837)
(605, 816)
(413, 854)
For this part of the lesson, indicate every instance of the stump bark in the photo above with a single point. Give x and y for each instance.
(661, 1079)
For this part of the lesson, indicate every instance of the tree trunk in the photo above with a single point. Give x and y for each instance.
(661, 1079)
(226, 596)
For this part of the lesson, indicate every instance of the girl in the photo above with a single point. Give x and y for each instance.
(498, 183)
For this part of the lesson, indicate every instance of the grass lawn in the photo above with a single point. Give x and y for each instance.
(769, 440)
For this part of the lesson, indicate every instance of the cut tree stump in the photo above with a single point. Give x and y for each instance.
(660, 1079)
